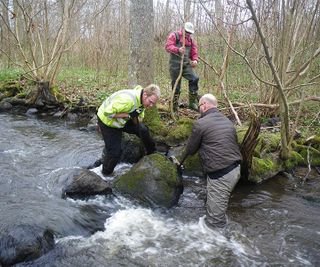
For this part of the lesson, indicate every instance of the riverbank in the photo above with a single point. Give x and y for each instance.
(265, 162)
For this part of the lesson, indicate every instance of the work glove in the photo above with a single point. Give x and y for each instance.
(135, 113)
(180, 167)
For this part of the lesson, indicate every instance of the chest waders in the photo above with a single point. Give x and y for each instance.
(187, 72)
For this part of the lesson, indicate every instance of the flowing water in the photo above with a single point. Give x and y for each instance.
(272, 224)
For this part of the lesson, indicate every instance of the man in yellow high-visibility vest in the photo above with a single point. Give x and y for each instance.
(123, 111)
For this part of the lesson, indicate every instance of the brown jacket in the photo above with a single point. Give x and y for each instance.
(214, 136)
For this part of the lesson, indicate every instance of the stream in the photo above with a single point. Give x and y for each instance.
(276, 223)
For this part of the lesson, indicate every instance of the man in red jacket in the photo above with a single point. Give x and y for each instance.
(174, 46)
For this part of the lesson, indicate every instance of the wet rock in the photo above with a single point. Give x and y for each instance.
(92, 125)
(72, 116)
(132, 149)
(59, 114)
(154, 180)
(85, 183)
(31, 111)
(4, 105)
(24, 243)
(192, 164)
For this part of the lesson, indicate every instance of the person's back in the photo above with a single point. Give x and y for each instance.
(214, 138)
(219, 146)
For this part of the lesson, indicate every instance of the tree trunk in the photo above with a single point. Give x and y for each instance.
(248, 145)
(5, 35)
(141, 43)
(42, 96)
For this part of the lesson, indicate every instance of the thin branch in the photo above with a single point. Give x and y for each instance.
(274, 106)
(303, 68)
(295, 125)
(179, 76)
(284, 105)
(235, 51)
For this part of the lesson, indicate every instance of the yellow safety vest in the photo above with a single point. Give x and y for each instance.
(123, 101)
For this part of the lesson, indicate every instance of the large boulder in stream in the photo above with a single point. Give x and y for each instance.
(85, 182)
(24, 243)
(154, 180)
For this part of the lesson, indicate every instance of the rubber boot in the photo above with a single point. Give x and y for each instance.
(108, 165)
(193, 101)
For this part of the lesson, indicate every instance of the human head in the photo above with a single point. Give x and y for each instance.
(189, 28)
(150, 95)
(206, 102)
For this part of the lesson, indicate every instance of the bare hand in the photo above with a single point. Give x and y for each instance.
(181, 50)
(193, 63)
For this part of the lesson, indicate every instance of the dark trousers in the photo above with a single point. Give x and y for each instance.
(112, 137)
(188, 73)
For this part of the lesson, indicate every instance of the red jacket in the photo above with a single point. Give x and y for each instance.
(171, 46)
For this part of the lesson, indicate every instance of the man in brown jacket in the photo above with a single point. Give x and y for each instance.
(214, 137)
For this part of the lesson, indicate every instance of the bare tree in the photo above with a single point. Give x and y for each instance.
(141, 43)
(221, 72)
(41, 41)
(5, 35)
(289, 56)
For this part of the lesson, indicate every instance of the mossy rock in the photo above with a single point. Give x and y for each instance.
(57, 93)
(313, 141)
(153, 121)
(181, 131)
(263, 169)
(10, 89)
(310, 154)
(192, 164)
(269, 142)
(295, 159)
(154, 181)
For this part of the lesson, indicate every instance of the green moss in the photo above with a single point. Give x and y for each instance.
(161, 163)
(10, 75)
(241, 132)
(268, 142)
(261, 166)
(158, 186)
(22, 94)
(133, 180)
(10, 88)
(264, 169)
(181, 131)
(56, 93)
(294, 159)
(153, 120)
(315, 141)
(310, 154)
(130, 181)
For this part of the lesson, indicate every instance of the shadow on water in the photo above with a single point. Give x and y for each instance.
(272, 224)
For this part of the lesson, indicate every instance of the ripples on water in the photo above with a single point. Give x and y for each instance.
(269, 224)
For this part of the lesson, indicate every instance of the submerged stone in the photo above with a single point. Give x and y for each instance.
(85, 183)
(24, 243)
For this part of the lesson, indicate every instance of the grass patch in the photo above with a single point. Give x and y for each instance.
(10, 75)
